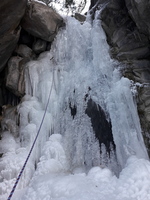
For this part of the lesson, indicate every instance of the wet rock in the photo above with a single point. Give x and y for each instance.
(39, 46)
(80, 17)
(11, 13)
(101, 126)
(41, 21)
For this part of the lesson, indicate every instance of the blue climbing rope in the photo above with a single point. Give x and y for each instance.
(19, 176)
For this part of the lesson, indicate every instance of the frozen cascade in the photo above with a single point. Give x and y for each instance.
(78, 68)
(79, 61)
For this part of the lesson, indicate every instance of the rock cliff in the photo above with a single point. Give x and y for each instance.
(11, 13)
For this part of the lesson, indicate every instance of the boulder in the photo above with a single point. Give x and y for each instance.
(15, 75)
(41, 21)
(39, 46)
(24, 51)
(80, 17)
(11, 13)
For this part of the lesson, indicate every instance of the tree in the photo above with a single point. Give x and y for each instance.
(68, 3)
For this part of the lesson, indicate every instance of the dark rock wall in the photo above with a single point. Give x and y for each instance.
(11, 13)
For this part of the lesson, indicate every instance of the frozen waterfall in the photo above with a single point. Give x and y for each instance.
(81, 66)
(78, 69)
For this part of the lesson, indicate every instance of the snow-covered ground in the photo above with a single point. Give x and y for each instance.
(66, 163)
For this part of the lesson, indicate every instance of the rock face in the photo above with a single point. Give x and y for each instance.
(127, 27)
(27, 29)
(126, 40)
(24, 51)
(140, 13)
(39, 46)
(15, 75)
(11, 13)
(8, 43)
(41, 21)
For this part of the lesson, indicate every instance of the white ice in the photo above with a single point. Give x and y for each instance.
(66, 163)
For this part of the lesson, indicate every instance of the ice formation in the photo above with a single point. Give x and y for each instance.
(66, 163)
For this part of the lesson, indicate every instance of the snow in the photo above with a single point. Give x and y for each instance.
(79, 6)
(40, 2)
(66, 163)
(99, 183)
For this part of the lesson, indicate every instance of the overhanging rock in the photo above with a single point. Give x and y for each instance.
(41, 21)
